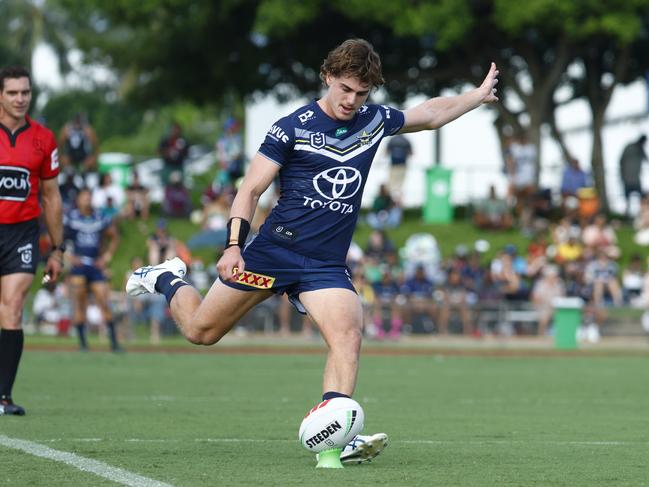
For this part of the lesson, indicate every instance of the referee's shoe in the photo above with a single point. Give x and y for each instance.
(7, 406)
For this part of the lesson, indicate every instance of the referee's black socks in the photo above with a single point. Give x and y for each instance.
(11, 349)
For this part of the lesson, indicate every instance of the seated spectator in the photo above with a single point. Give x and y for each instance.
(599, 235)
(176, 203)
(562, 231)
(418, 291)
(570, 250)
(633, 279)
(161, 246)
(214, 222)
(507, 271)
(379, 246)
(492, 213)
(572, 180)
(473, 277)
(108, 196)
(387, 296)
(601, 275)
(422, 250)
(536, 254)
(454, 297)
(385, 213)
(137, 200)
(548, 287)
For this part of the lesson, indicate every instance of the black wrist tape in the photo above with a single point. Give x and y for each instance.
(238, 229)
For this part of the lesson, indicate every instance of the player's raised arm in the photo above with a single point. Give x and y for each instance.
(437, 112)
(258, 178)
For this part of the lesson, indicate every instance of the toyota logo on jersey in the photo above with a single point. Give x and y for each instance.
(338, 183)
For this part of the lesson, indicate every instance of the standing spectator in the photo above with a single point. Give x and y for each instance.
(27, 174)
(173, 149)
(229, 152)
(95, 241)
(399, 149)
(521, 168)
(177, 202)
(79, 147)
(548, 287)
(631, 161)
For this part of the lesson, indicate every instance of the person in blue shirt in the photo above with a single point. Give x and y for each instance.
(95, 239)
(322, 153)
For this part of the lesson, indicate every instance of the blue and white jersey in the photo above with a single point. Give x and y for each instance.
(324, 166)
(85, 232)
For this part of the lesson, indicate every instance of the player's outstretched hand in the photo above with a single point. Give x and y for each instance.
(231, 264)
(488, 86)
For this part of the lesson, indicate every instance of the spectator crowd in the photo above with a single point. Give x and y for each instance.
(572, 248)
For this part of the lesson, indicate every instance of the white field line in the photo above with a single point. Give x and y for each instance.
(96, 467)
(394, 442)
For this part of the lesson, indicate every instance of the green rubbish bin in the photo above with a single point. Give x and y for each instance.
(118, 164)
(437, 207)
(567, 319)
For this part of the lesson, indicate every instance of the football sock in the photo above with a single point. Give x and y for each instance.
(112, 334)
(11, 348)
(81, 333)
(331, 394)
(168, 283)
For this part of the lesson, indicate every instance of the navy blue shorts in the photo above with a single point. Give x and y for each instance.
(277, 269)
(90, 272)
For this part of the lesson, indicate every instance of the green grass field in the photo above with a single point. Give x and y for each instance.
(226, 419)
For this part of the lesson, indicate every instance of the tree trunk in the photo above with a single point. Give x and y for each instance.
(597, 158)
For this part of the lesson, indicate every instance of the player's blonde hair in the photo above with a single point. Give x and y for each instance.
(355, 58)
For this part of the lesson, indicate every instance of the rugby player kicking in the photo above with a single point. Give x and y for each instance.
(323, 153)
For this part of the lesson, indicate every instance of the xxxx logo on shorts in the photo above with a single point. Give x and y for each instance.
(253, 279)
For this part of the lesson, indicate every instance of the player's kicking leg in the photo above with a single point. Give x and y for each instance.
(338, 314)
(201, 321)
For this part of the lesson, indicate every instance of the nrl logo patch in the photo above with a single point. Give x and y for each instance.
(258, 281)
(318, 140)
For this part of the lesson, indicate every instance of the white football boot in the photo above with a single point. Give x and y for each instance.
(364, 448)
(143, 279)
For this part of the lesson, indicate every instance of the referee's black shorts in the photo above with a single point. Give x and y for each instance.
(19, 247)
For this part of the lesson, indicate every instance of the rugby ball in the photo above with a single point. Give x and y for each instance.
(331, 424)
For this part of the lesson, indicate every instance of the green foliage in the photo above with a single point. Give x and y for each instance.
(108, 118)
